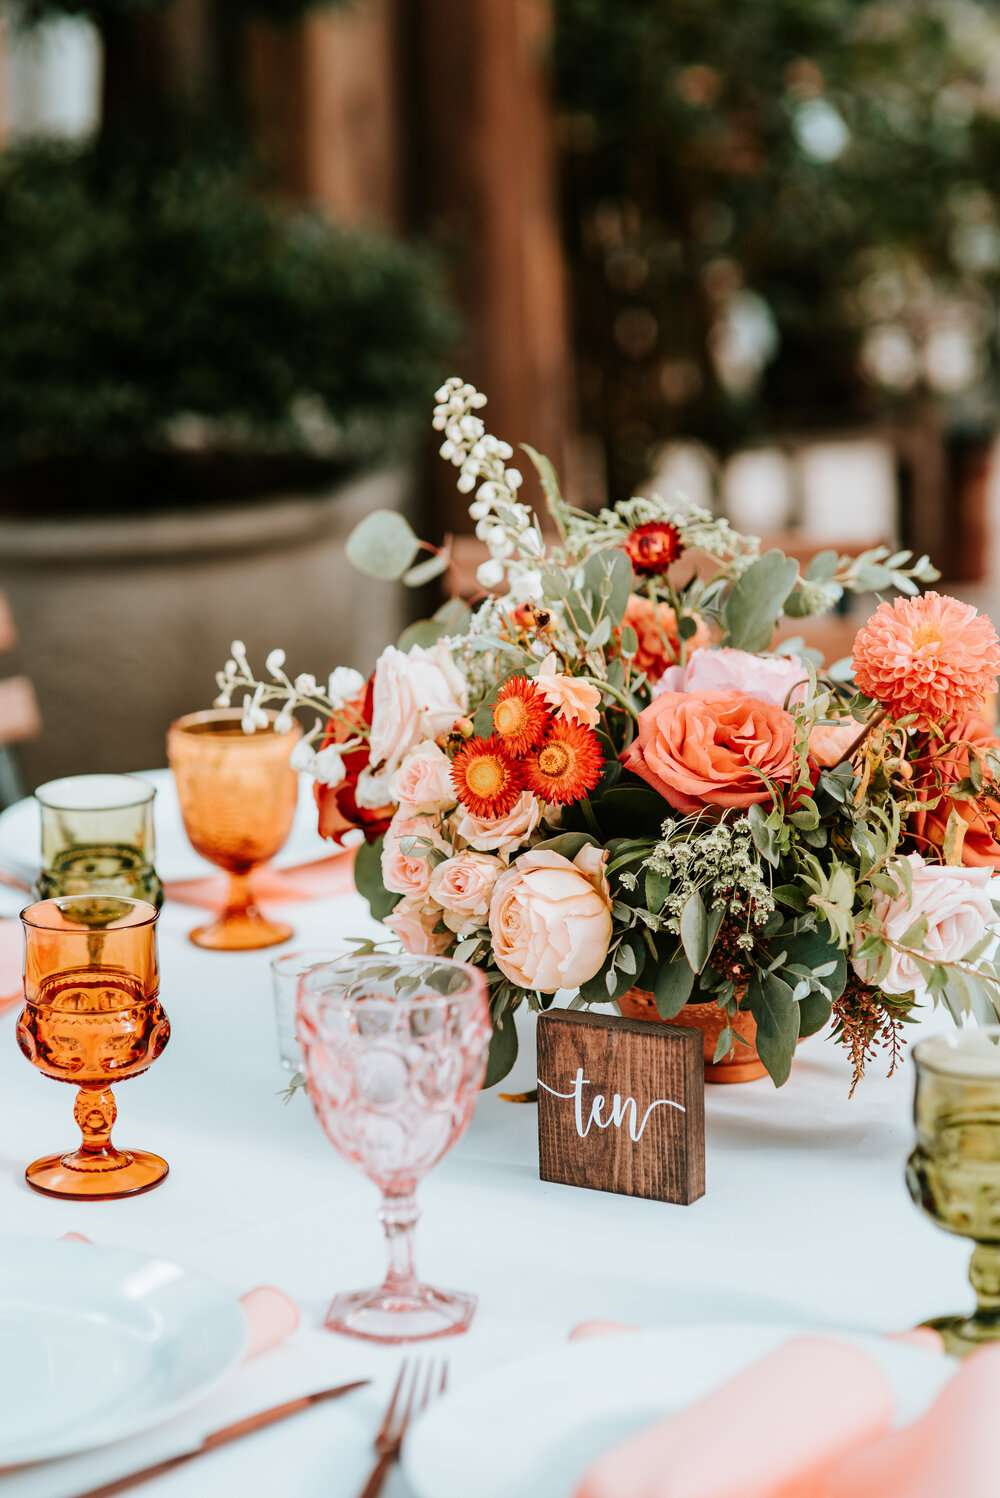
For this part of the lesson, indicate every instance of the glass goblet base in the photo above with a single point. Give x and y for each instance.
(245, 932)
(84, 1176)
(414, 1314)
(964, 1334)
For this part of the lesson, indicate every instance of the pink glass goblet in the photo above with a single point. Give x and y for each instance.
(395, 1051)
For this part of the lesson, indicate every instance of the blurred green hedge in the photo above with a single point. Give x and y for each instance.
(146, 304)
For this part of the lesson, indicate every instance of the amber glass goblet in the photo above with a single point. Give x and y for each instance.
(92, 1016)
(954, 1171)
(238, 794)
(97, 838)
(395, 1053)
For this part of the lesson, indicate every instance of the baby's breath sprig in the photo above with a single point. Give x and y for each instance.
(721, 863)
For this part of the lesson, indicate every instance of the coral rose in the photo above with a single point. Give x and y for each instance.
(415, 922)
(769, 678)
(716, 749)
(958, 909)
(932, 656)
(550, 919)
(659, 639)
(829, 742)
(969, 739)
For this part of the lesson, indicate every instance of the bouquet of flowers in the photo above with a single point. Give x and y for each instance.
(600, 775)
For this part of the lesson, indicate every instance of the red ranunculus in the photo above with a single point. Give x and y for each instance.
(653, 546)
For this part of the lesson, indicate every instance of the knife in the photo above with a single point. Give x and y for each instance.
(222, 1437)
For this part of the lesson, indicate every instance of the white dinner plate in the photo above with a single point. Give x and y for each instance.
(532, 1427)
(175, 857)
(98, 1343)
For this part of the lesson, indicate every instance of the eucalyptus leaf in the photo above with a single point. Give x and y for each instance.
(427, 570)
(503, 1049)
(673, 987)
(368, 880)
(777, 1015)
(382, 545)
(754, 606)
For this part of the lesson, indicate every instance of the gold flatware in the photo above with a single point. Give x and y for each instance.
(411, 1394)
(222, 1437)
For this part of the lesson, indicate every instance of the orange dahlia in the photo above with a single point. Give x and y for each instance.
(486, 780)
(568, 765)
(658, 636)
(653, 546)
(521, 716)
(932, 656)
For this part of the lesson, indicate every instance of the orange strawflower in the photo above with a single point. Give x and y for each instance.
(567, 766)
(486, 780)
(520, 717)
(932, 656)
(653, 546)
(655, 625)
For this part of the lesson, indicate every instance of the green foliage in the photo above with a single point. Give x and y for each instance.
(368, 880)
(754, 605)
(382, 545)
(139, 299)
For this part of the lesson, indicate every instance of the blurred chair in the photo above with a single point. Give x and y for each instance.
(20, 718)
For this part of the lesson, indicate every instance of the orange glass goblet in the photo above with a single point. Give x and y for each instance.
(238, 794)
(92, 1016)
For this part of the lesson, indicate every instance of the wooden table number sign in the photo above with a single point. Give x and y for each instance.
(621, 1106)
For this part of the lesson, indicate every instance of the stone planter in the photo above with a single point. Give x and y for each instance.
(124, 620)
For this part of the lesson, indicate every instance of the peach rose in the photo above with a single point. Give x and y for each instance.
(417, 695)
(567, 695)
(971, 736)
(659, 639)
(462, 886)
(715, 749)
(958, 908)
(409, 872)
(829, 742)
(549, 920)
(769, 678)
(414, 921)
(423, 781)
(501, 834)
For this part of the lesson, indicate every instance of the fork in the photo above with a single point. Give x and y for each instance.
(412, 1392)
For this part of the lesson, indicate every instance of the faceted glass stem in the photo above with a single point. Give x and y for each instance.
(95, 1114)
(398, 1216)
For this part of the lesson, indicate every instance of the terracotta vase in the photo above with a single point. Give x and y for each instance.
(742, 1064)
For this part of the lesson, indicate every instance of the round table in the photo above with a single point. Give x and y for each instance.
(806, 1217)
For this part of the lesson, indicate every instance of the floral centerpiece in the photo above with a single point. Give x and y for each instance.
(601, 776)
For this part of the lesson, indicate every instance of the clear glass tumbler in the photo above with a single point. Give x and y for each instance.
(98, 838)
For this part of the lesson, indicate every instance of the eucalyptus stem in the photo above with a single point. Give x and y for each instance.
(873, 722)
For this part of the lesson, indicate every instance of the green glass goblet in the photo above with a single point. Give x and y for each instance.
(954, 1171)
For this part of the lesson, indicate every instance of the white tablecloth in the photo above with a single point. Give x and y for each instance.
(806, 1212)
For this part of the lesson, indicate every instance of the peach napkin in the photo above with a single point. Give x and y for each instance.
(271, 1315)
(772, 1431)
(950, 1452)
(307, 881)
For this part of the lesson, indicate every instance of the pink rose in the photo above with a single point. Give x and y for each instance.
(416, 696)
(501, 834)
(462, 886)
(550, 919)
(715, 749)
(408, 872)
(957, 905)
(423, 781)
(414, 922)
(779, 679)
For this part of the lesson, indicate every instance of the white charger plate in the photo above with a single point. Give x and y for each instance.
(534, 1426)
(175, 857)
(98, 1343)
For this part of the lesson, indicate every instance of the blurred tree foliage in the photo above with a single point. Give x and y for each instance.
(781, 213)
(166, 325)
